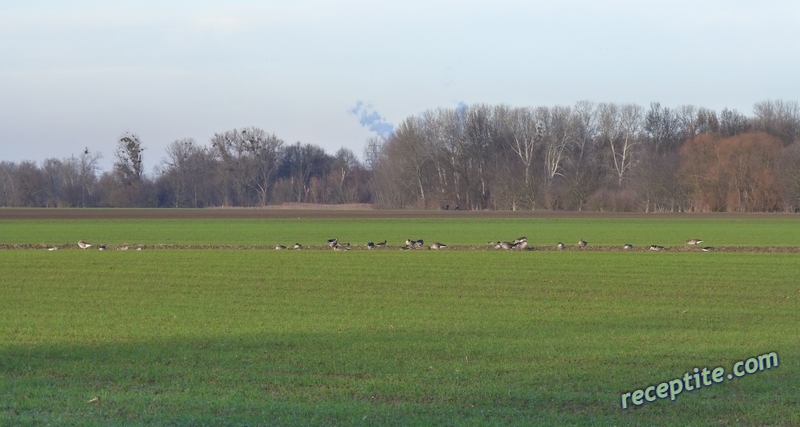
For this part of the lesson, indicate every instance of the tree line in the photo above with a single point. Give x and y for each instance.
(240, 167)
(590, 156)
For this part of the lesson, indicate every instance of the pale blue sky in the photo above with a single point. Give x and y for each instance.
(79, 74)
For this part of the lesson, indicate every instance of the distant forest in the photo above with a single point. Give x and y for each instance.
(586, 157)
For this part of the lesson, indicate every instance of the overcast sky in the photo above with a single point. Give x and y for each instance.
(78, 74)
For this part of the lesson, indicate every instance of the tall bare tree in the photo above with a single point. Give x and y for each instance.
(779, 118)
(620, 127)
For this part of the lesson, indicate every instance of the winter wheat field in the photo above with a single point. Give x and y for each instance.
(208, 324)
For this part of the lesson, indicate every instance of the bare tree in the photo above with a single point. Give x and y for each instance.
(778, 118)
(86, 166)
(408, 148)
(620, 127)
(581, 169)
(732, 122)
(662, 127)
(521, 133)
(299, 165)
(248, 160)
(345, 164)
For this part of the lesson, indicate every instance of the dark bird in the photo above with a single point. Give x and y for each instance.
(582, 244)
(381, 244)
(656, 248)
(560, 246)
(297, 246)
(371, 245)
(333, 242)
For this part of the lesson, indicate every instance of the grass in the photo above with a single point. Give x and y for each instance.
(188, 337)
(732, 231)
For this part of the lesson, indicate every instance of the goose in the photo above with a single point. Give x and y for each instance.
(409, 242)
(656, 248)
(521, 245)
(280, 247)
(333, 242)
(83, 245)
(520, 240)
(102, 247)
(418, 244)
(370, 245)
(341, 248)
(627, 246)
(122, 248)
(381, 244)
(709, 249)
(560, 246)
(582, 244)
(437, 246)
(504, 245)
(694, 242)
(297, 246)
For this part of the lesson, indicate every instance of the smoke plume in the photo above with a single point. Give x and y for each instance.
(370, 119)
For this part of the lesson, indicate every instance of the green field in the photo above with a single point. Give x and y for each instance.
(264, 337)
(458, 231)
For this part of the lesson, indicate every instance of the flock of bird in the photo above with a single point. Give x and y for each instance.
(520, 243)
(83, 244)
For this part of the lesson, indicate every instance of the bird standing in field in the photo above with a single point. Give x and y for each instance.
(504, 245)
(83, 245)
